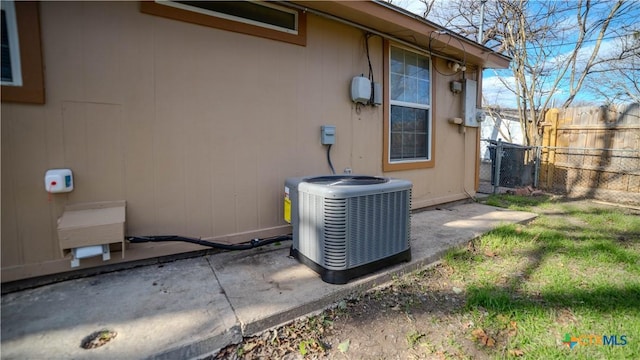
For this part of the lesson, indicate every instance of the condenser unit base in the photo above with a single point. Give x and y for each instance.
(340, 277)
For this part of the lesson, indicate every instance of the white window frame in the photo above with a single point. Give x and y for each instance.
(14, 43)
(411, 105)
(237, 18)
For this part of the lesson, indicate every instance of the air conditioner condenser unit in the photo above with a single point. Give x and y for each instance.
(345, 226)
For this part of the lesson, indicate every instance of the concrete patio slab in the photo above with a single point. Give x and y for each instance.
(191, 308)
(267, 288)
(170, 311)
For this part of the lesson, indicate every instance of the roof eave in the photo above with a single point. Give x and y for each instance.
(408, 27)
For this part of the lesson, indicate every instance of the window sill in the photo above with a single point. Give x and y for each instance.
(387, 166)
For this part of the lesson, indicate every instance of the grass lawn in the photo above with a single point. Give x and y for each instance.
(520, 291)
(572, 274)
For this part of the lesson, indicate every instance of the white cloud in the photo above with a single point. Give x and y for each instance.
(414, 6)
(495, 93)
(441, 9)
(608, 49)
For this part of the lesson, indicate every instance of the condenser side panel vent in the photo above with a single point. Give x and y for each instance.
(310, 225)
(335, 233)
(379, 225)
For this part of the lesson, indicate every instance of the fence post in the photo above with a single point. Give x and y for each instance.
(536, 172)
(551, 140)
(496, 171)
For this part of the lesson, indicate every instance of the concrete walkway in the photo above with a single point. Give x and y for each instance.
(191, 308)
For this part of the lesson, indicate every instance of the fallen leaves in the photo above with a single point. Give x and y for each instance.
(516, 352)
(513, 328)
(98, 339)
(481, 336)
(490, 253)
(509, 328)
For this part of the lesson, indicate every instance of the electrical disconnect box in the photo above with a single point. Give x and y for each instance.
(328, 134)
(377, 93)
(360, 90)
(469, 106)
(456, 87)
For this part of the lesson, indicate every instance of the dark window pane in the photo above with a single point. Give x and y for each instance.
(408, 119)
(409, 133)
(396, 118)
(421, 145)
(421, 120)
(408, 146)
(7, 73)
(396, 146)
(248, 10)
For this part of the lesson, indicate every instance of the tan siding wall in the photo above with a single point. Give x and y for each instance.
(196, 128)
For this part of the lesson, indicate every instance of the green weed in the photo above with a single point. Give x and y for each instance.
(516, 202)
(414, 338)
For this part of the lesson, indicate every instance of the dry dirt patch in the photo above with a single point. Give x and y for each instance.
(415, 317)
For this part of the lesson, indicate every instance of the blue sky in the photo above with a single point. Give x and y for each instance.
(494, 91)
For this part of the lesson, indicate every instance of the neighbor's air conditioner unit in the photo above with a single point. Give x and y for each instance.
(345, 226)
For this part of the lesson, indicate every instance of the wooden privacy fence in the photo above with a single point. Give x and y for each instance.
(592, 152)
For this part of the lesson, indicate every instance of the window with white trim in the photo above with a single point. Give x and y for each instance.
(11, 69)
(410, 127)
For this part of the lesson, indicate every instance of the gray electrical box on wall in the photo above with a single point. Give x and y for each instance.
(328, 134)
(377, 93)
(469, 106)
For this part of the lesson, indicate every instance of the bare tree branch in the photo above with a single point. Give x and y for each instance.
(556, 48)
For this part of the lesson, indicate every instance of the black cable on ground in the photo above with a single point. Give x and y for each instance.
(252, 244)
(333, 171)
